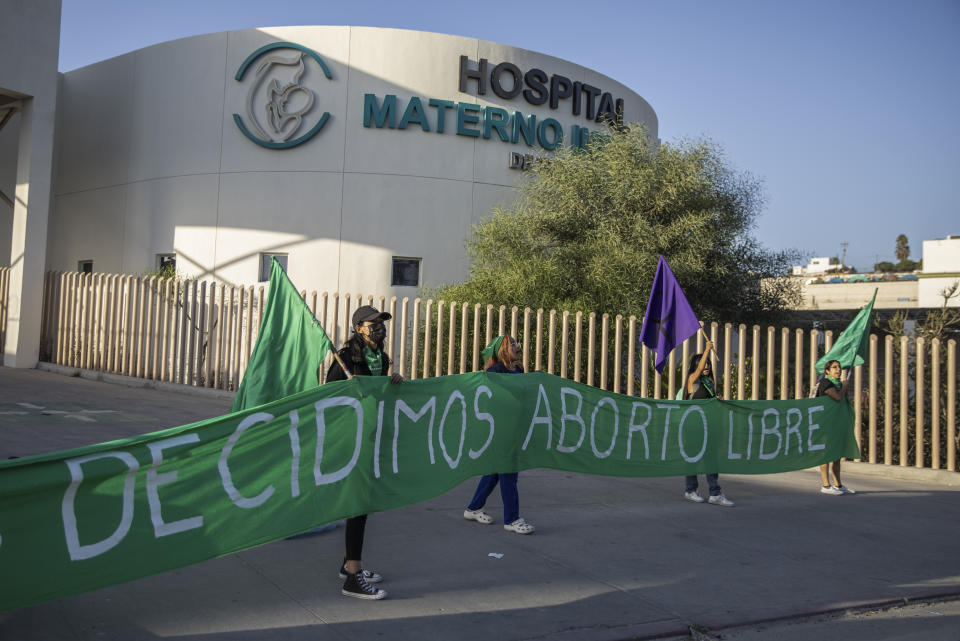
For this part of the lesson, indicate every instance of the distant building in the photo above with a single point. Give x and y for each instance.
(820, 265)
(941, 268)
(907, 290)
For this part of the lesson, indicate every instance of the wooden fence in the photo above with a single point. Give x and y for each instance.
(201, 333)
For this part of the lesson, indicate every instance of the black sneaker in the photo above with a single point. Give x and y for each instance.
(369, 577)
(356, 586)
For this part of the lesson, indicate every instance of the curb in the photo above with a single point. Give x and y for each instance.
(129, 381)
(943, 477)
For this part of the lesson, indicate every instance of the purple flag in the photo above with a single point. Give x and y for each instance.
(669, 319)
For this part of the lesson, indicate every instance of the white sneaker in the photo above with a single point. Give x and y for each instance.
(844, 489)
(519, 526)
(478, 515)
(693, 496)
(721, 500)
(831, 489)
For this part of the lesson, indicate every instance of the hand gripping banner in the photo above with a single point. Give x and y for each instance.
(81, 519)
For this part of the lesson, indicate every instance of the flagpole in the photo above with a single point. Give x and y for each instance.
(343, 365)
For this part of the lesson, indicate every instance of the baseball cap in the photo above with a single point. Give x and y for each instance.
(367, 313)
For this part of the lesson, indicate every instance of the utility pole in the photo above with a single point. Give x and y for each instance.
(843, 253)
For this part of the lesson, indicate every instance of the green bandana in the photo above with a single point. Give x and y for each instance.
(374, 360)
(491, 350)
(708, 385)
(836, 381)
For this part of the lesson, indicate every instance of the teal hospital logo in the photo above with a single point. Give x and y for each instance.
(280, 99)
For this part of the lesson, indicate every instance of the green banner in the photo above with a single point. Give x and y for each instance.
(82, 519)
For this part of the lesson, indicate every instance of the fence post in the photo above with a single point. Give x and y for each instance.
(591, 341)
(784, 362)
(476, 339)
(427, 341)
(952, 405)
(872, 445)
(564, 343)
(403, 336)
(935, 403)
(814, 357)
(452, 338)
(538, 356)
(527, 312)
(551, 342)
(605, 351)
(644, 374)
(617, 347)
(577, 346)
(415, 346)
(464, 332)
(741, 362)
(904, 396)
(888, 400)
(438, 358)
(920, 392)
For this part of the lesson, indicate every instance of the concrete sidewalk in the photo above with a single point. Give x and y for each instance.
(612, 558)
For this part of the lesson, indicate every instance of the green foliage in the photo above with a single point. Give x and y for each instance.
(588, 226)
(884, 266)
(902, 252)
(167, 272)
(907, 265)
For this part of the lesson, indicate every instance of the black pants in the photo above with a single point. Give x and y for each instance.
(354, 535)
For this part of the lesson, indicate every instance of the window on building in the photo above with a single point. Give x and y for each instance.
(265, 265)
(85, 266)
(167, 263)
(406, 272)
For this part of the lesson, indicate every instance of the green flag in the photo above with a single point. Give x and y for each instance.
(290, 347)
(851, 348)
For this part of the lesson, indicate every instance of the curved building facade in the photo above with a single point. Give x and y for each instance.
(359, 156)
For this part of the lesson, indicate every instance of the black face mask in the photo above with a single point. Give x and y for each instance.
(376, 333)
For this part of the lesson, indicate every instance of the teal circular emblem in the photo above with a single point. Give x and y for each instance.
(279, 101)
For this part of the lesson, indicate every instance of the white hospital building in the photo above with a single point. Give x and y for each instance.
(361, 157)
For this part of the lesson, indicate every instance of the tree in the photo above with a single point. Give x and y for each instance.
(902, 252)
(588, 225)
(884, 266)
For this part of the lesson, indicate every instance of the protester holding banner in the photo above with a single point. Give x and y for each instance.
(701, 384)
(830, 385)
(363, 354)
(501, 356)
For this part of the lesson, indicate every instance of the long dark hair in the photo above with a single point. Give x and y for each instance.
(695, 362)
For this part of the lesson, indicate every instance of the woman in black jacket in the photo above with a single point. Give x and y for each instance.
(363, 355)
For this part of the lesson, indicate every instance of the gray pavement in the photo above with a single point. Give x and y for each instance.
(612, 558)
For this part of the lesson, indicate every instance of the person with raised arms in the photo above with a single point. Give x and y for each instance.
(501, 356)
(701, 384)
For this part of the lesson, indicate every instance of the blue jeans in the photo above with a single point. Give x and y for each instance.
(508, 494)
(713, 480)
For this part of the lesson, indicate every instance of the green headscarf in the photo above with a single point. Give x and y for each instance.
(491, 350)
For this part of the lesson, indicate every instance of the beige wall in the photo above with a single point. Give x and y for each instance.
(890, 295)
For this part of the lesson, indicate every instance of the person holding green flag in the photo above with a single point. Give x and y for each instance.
(363, 355)
(849, 351)
(830, 385)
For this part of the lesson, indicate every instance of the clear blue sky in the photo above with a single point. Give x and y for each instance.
(848, 110)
